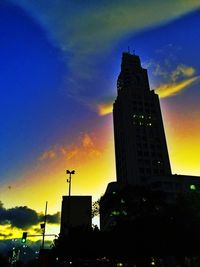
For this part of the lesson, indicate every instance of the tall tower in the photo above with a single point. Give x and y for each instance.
(140, 144)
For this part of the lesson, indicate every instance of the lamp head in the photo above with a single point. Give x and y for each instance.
(70, 172)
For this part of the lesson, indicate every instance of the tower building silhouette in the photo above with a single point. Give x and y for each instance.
(141, 153)
(140, 144)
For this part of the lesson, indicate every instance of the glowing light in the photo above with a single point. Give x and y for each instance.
(115, 213)
(193, 187)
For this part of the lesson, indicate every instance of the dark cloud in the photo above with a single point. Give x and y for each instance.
(54, 218)
(5, 235)
(1, 205)
(51, 218)
(20, 217)
(23, 217)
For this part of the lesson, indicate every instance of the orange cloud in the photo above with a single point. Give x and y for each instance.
(87, 141)
(89, 146)
(49, 154)
(86, 146)
(105, 108)
(171, 89)
(72, 153)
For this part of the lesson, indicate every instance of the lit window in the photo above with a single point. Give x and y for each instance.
(124, 212)
(115, 213)
(193, 187)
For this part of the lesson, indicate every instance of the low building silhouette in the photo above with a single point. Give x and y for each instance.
(76, 212)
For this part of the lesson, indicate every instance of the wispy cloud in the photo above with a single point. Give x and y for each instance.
(92, 27)
(49, 154)
(84, 30)
(177, 80)
(70, 152)
(182, 71)
(171, 89)
(89, 145)
(87, 141)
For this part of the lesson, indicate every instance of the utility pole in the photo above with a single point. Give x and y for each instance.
(43, 226)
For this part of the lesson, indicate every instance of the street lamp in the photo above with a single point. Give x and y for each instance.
(69, 180)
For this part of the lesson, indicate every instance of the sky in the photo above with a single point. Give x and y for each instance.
(59, 63)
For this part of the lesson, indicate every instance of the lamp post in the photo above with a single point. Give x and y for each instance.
(70, 179)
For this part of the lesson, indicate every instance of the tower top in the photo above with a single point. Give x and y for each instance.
(133, 53)
(129, 59)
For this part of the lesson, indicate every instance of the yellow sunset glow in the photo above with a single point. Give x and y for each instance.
(105, 108)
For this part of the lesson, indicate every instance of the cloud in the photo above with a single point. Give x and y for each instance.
(72, 153)
(53, 218)
(182, 71)
(20, 217)
(23, 217)
(163, 69)
(89, 145)
(5, 236)
(178, 79)
(87, 141)
(105, 108)
(82, 30)
(173, 80)
(90, 28)
(87, 31)
(50, 154)
(159, 71)
(85, 146)
(171, 89)
(68, 152)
